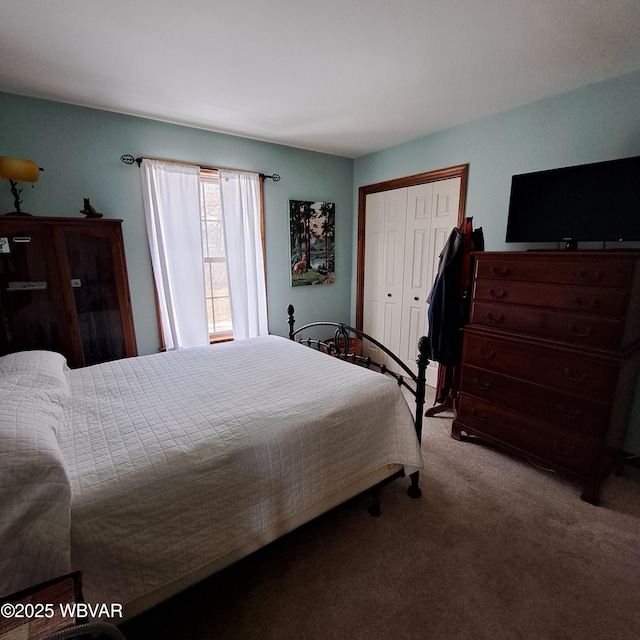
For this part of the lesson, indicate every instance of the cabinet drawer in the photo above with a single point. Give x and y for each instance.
(565, 449)
(566, 410)
(583, 300)
(583, 330)
(593, 270)
(590, 377)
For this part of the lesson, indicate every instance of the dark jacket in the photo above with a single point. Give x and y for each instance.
(445, 302)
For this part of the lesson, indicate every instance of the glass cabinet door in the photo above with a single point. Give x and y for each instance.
(95, 293)
(31, 313)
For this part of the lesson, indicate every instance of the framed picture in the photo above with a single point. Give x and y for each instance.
(312, 241)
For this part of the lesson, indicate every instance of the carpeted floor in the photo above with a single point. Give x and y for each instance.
(495, 548)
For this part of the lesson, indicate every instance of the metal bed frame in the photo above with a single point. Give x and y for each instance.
(415, 383)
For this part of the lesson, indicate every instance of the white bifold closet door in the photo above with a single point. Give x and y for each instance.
(406, 230)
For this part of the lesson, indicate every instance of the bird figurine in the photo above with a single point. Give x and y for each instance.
(89, 210)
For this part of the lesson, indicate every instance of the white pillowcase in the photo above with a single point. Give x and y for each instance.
(27, 370)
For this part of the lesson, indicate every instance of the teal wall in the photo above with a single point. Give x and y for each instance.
(598, 122)
(80, 150)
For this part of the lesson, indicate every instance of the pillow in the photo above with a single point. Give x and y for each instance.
(33, 370)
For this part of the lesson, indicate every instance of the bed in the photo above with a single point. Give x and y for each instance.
(149, 474)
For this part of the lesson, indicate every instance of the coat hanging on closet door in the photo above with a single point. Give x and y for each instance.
(449, 302)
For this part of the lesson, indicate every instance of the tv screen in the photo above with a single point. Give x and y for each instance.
(590, 202)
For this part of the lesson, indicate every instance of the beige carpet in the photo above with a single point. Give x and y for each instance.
(495, 548)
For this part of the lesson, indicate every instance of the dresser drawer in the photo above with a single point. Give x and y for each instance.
(596, 270)
(565, 449)
(594, 378)
(595, 332)
(566, 410)
(583, 300)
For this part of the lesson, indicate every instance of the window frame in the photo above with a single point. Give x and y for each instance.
(223, 336)
(227, 336)
(210, 175)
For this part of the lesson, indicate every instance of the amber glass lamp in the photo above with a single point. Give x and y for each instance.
(16, 170)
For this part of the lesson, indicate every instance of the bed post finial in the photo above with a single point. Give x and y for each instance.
(291, 320)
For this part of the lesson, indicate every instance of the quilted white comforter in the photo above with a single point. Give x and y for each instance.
(176, 459)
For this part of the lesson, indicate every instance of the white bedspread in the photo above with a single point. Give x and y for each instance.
(35, 491)
(177, 459)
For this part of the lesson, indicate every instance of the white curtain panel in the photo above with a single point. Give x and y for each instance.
(172, 212)
(240, 198)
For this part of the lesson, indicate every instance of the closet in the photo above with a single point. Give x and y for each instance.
(402, 232)
(64, 287)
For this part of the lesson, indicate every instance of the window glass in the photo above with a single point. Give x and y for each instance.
(215, 262)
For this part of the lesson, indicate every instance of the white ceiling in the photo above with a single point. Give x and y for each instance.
(346, 77)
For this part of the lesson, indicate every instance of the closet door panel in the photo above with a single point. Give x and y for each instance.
(374, 265)
(444, 217)
(413, 327)
(395, 221)
(416, 271)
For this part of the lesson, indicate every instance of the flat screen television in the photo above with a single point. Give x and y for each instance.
(590, 202)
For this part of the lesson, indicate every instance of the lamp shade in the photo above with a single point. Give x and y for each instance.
(18, 170)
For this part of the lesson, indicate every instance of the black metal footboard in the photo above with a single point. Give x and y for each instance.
(339, 347)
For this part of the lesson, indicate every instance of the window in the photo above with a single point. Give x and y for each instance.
(183, 210)
(215, 260)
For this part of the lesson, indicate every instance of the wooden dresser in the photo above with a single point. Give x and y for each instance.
(550, 358)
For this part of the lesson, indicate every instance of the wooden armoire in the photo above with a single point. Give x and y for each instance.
(64, 287)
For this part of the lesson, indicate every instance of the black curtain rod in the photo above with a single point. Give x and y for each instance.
(127, 158)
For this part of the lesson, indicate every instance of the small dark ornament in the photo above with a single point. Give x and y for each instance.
(89, 211)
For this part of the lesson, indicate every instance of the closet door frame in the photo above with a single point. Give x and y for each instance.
(458, 171)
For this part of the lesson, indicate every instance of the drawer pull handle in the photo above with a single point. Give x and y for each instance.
(570, 375)
(497, 320)
(486, 356)
(499, 273)
(573, 415)
(497, 296)
(581, 334)
(585, 276)
(485, 386)
(565, 452)
(585, 305)
(479, 416)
